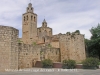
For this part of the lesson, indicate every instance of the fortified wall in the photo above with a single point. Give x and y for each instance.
(37, 44)
(8, 48)
(30, 54)
(72, 46)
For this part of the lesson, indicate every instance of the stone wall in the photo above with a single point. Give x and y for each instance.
(53, 54)
(55, 44)
(8, 48)
(28, 55)
(50, 53)
(72, 47)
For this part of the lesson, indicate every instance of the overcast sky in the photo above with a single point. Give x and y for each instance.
(61, 15)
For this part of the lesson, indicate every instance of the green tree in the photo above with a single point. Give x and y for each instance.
(95, 31)
(90, 62)
(93, 45)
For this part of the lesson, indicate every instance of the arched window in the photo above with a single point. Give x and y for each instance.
(44, 39)
(31, 8)
(24, 18)
(31, 17)
(39, 32)
(34, 18)
(27, 17)
(27, 9)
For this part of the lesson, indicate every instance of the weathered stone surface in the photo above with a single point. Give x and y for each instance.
(8, 48)
(72, 47)
(29, 54)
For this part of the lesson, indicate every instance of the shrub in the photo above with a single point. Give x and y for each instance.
(69, 64)
(64, 66)
(47, 63)
(99, 63)
(90, 63)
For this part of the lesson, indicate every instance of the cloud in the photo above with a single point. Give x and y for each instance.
(61, 15)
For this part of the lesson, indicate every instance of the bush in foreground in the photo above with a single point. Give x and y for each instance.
(90, 63)
(69, 64)
(47, 63)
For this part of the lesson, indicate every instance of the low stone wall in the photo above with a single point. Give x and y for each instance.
(57, 65)
(79, 66)
(38, 64)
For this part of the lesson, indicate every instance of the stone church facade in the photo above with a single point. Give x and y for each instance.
(37, 44)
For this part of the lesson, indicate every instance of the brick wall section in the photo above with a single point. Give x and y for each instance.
(8, 48)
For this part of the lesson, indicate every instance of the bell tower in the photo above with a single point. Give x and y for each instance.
(44, 23)
(29, 25)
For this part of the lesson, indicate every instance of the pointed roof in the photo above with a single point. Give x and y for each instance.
(44, 23)
(30, 5)
(44, 20)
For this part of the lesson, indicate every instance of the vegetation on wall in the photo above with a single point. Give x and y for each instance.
(34, 43)
(68, 33)
(73, 33)
(49, 45)
(19, 41)
(77, 31)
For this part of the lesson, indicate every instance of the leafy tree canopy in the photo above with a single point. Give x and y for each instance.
(93, 45)
(95, 31)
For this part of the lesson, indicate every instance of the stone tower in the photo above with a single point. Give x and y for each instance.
(44, 33)
(8, 48)
(72, 46)
(29, 25)
(44, 23)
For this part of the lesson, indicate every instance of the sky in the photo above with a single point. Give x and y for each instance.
(61, 15)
